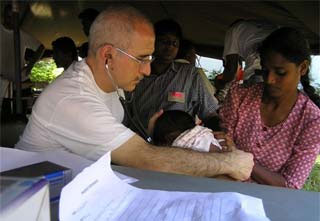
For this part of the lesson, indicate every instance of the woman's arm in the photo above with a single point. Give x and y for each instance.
(229, 111)
(297, 167)
(264, 176)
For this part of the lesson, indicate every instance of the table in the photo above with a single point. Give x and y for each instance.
(280, 204)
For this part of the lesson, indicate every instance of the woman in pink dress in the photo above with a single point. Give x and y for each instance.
(273, 120)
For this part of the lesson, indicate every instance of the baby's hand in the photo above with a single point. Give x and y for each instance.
(217, 149)
(225, 143)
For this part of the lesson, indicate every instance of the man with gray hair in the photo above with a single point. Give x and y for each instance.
(81, 112)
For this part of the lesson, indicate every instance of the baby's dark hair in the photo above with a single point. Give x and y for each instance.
(291, 44)
(212, 123)
(170, 125)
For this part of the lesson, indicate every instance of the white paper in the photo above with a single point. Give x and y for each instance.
(125, 178)
(97, 194)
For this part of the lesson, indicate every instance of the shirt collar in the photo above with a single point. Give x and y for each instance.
(173, 67)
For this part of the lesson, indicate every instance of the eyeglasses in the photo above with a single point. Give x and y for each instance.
(174, 43)
(141, 61)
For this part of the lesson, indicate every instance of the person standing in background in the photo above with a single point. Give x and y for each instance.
(87, 17)
(27, 44)
(241, 44)
(64, 52)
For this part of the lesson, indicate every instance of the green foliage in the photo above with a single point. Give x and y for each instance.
(212, 74)
(43, 71)
(317, 88)
(313, 181)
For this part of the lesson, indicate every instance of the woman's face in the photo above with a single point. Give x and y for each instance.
(281, 76)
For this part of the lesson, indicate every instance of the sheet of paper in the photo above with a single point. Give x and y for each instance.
(97, 194)
(125, 178)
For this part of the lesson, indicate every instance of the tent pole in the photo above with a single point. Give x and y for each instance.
(17, 60)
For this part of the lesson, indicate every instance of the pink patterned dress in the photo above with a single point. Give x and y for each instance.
(289, 148)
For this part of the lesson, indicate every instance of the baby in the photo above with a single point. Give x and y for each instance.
(178, 128)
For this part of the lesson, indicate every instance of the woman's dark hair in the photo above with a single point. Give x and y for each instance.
(291, 44)
(170, 125)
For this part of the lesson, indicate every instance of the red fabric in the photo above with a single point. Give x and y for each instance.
(289, 148)
(177, 94)
(240, 75)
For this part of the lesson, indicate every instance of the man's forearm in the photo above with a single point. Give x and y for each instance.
(231, 67)
(184, 161)
(265, 176)
(237, 164)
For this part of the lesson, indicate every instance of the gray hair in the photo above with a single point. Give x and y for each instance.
(115, 25)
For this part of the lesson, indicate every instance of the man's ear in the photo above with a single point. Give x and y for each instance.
(105, 53)
(304, 66)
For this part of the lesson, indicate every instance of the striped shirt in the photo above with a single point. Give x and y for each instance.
(181, 87)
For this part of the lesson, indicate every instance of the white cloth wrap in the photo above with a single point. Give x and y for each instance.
(198, 138)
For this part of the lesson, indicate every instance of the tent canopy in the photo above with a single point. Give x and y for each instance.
(204, 23)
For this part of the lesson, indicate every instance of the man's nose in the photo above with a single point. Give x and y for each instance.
(145, 69)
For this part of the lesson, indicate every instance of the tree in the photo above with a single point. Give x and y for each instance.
(43, 71)
(212, 75)
(317, 88)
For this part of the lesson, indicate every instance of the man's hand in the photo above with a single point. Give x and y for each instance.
(153, 120)
(240, 164)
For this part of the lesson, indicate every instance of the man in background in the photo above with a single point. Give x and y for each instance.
(87, 17)
(64, 52)
(30, 51)
(172, 85)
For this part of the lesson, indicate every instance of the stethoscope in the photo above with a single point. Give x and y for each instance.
(137, 124)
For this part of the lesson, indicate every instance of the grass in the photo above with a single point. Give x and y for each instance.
(313, 181)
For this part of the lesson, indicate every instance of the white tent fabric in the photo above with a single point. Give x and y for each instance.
(205, 23)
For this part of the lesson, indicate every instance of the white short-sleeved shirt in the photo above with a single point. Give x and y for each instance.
(74, 114)
(7, 47)
(243, 38)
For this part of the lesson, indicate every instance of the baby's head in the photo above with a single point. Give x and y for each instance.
(170, 125)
